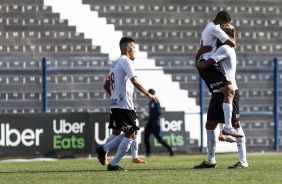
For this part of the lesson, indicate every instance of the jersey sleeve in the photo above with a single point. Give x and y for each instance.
(220, 34)
(129, 68)
(220, 54)
(109, 77)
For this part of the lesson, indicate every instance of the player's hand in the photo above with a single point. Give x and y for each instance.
(227, 26)
(153, 97)
(229, 29)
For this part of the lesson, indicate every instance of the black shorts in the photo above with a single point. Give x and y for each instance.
(215, 111)
(214, 77)
(124, 120)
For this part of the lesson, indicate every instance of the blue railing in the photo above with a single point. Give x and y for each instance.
(276, 103)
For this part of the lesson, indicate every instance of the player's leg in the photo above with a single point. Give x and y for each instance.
(210, 161)
(128, 120)
(241, 142)
(241, 146)
(158, 135)
(135, 149)
(214, 115)
(114, 134)
(147, 134)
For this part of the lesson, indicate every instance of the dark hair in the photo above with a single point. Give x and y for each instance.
(223, 16)
(151, 91)
(125, 40)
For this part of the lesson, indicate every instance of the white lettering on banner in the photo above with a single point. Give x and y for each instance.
(96, 133)
(28, 137)
(173, 125)
(66, 127)
(108, 132)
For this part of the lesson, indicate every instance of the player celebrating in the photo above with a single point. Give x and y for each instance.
(215, 77)
(225, 56)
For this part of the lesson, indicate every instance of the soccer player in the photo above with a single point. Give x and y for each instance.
(153, 126)
(116, 137)
(122, 83)
(216, 78)
(225, 56)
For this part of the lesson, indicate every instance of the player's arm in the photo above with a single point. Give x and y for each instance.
(231, 42)
(203, 49)
(230, 31)
(205, 63)
(107, 85)
(142, 89)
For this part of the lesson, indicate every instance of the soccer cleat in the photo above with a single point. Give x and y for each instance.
(232, 132)
(239, 165)
(115, 168)
(101, 155)
(226, 138)
(139, 160)
(206, 164)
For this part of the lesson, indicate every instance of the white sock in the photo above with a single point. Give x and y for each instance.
(211, 144)
(110, 138)
(134, 148)
(220, 128)
(227, 109)
(241, 145)
(122, 149)
(114, 143)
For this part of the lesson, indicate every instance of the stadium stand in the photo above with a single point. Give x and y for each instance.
(167, 30)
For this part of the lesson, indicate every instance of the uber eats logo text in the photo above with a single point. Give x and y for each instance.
(174, 138)
(13, 137)
(65, 138)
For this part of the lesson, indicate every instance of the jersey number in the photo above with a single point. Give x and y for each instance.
(113, 81)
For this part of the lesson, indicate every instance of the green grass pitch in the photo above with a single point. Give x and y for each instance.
(263, 168)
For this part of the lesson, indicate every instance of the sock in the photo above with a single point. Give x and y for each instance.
(211, 144)
(122, 149)
(134, 148)
(114, 143)
(220, 128)
(227, 109)
(241, 145)
(110, 138)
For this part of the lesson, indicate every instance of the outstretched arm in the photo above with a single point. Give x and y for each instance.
(142, 89)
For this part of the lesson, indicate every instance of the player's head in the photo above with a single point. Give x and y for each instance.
(151, 91)
(127, 46)
(223, 17)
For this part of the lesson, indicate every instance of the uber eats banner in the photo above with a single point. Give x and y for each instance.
(72, 133)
